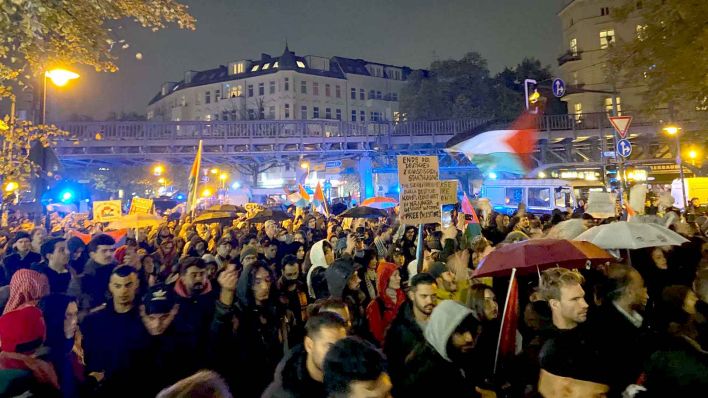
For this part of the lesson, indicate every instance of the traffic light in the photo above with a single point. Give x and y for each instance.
(532, 95)
(612, 177)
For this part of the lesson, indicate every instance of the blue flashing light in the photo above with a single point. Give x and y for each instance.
(492, 175)
(236, 185)
(179, 197)
(66, 196)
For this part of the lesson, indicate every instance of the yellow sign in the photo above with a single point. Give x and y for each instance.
(107, 210)
(140, 206)
(253, 208)
(448, 192)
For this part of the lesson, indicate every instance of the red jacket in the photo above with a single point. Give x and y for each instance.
(380, 318)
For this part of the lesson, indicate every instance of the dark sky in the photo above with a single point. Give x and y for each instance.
(400, 32)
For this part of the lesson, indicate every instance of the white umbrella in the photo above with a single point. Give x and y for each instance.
(568, 229)
(629, 235)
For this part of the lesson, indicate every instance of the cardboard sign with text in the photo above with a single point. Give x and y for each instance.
(448, 192)
(601, 204)
(140, 206)
(418, 177)
(106, 210)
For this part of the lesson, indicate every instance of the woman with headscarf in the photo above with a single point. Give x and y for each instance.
(22, 332)
(77, 254)
(27, 287)
(61, 318)
(383, 309)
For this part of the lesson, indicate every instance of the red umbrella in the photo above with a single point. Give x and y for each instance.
(535, 255)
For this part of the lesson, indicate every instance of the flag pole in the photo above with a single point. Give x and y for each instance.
(501, 326)
(419, 249)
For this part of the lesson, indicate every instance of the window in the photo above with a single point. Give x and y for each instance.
(261, 113)
(604, 11)
(327, 91)
(286, 107)
(539, 197)
(641, 32)
(239, 68)
(362, 93)
(394, 96)
(608, 105)
(271, 87)
(379, 95)
(261, 88)
(353, 114)
(255, 68)
(362, 116)
(250, 90)
(275, 65)
(207, 97)
(315, 88)
(217, 95)
(339, 114)
(606, 37)
(328, 113)
(353, 92)
(372, 94)
(215, 117)
(578, 110)
(235, 91)
(300, 64)
(315, 112)
(303, 112)
(266, 66)
(233, 114)
(303, 87)
(286, 87)
(338, 91)
(573, 46)
(251, 114)
(271, 112)
(514, 196)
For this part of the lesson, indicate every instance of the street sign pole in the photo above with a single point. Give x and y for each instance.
(620, 161)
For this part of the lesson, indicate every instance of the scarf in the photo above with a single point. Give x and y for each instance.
(42, 371)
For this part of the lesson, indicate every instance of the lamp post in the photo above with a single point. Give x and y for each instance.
(305, 165)
(674, 131)
(60, 77)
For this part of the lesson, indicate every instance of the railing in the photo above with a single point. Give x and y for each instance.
(86, 132)
(569, 56)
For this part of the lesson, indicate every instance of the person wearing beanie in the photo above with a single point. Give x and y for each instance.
(448, 288)
(22, 332)
(448, 354)
(249, 255)
(21, 258)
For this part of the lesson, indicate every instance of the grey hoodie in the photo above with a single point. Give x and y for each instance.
(317, 259)
(446, 317)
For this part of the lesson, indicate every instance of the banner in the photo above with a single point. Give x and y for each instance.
(418, 177)
(601, 205)
(140, 206)
(107, 210)
(448, 192)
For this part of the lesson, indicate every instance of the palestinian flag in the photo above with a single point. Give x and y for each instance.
(473, 227)
(499, 147)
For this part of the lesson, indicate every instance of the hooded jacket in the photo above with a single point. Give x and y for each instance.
(292, 379)
(315, 275)
(338, 276)
(429, 363)
(381, 311)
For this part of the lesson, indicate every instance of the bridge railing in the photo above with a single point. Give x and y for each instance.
(312, 129)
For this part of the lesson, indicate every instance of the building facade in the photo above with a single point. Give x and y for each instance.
(588, 31)
(288, 87)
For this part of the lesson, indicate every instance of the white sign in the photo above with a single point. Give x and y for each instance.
(601, 204)
(418, 177)
(621, 124)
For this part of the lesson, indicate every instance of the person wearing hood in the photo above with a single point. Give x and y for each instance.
(381, 311)
(115, 341)
(292, 292)
(22, 257)
(249, 332)
(195, 296)
(61, 315)
(248, 256)
(300, 374)
(344, 284)
(22, 333)
(447, 356)
(321, 257)
(77, 254)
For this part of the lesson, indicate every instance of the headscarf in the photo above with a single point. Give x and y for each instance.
(27, 287)
(53, 308)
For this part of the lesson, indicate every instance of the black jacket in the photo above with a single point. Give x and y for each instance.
(678, 369)
(292, 379)
(401, 338)
(94, 284)
(117, 344)
(574, 353)
(194, 319)
(58, 283)
(15, 262)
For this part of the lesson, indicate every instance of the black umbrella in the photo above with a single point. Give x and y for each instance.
(338, 208)
(214, 217)
(364, 212)
(270, 214)
(227, 208)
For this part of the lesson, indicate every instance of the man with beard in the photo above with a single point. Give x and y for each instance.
(445, 360)
(195, 297)
(447, 286)
(354, 368)
(115, 341)
(292, 292)
(22, 258)
(97, 272)
(406, 330)
(300, 374)
(223, 252)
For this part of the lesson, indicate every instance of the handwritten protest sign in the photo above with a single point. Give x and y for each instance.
(448, 192)
(418, 177)
(140, 205)
(601, 204)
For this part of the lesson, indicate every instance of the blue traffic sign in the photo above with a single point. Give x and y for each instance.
(558, 87)
(624, 148)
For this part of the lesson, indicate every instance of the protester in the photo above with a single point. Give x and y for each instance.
(355, 368)
(77, 254)
(383, 309)
(55, 259)
(292, 292)
(321, 257)
(343, 283)
(203, 384)
(21, 258)
(300, 374)
(93, 282)
(27, 287)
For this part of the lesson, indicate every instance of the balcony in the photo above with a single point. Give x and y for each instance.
(569, 56)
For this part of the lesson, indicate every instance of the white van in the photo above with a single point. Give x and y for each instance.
(541, 196)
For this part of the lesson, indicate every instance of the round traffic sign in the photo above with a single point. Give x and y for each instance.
(558, 87)
(624, 148)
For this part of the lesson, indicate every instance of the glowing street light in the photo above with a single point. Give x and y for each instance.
(305, 165)
(692, 154)
(206, 193)
(214, 171)
(11, 186)
(674, 131)
(158, 170)
(60, 77)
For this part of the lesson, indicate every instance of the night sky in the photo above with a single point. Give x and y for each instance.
(400, 32)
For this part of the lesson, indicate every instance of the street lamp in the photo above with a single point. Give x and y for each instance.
(674, 131)
(60, 77)
(223, 177)
(214, 171)
(11, 186)
(305, 165)
(158, 170)
(206, 193)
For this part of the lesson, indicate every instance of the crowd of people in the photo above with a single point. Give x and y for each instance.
(317, 306)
